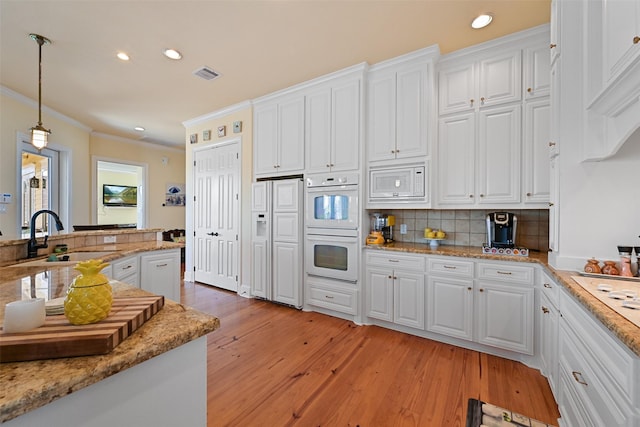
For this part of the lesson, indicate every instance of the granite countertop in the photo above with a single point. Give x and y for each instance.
(25, 386)
(624, 329)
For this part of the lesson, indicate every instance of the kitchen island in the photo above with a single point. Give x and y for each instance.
(157, 376)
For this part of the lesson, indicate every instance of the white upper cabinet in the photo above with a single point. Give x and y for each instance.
(278, 143)
(399, 99)
(536, 77)
(332, 126)
(555, 44)
(487, 82)
(488, 156)
(621, 35)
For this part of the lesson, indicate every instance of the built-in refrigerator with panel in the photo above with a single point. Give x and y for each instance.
(276, 241)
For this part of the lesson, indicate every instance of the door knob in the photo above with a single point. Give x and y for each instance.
(212, 234)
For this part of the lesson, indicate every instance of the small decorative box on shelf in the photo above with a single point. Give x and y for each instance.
(505, 251)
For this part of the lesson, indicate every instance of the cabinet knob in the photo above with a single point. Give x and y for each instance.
(471, 196)
(471, 101)
(551, 204)
(469, 288)
(545, 310)
(390, 277)
(552, 45)
(328, 165)
(393, 151)
(636, 40)
(529, 90)
(482, 101)
(548, 286)
(394, 277)
(481, 290)
(332, 165)
(481, 195)
(528, 194)
(552, 144)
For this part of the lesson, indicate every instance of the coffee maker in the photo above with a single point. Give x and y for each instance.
(501, 229)
(383, 223)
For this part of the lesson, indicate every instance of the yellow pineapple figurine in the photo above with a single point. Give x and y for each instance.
(89, 297)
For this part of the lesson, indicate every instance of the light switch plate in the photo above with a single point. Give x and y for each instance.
(403, 228)
(109, 239)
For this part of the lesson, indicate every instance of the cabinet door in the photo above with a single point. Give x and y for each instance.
(504, 315)
(286, 195)
(554, 203)
(345, 126)
(450, 307)
(456, 159)
(291, 135)
(536, 72)
(126, 270)
(408, 299)
(265, 140)
(500, 79)
(535, 158)
(287, 279)
(548, 340)
(457, 89)
(379, 285)
(318, 131)
(498, 156)
(555, 110)
(381, 117)
(411, 111)
(160, 273)
(260, 271)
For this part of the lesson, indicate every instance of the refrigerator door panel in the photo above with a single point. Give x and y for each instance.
(260, 195)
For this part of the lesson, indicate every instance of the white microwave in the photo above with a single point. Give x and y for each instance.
(397, 183)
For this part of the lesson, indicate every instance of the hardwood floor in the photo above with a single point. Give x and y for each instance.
(270, 365)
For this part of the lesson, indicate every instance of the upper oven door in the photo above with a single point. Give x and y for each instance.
(332, 207)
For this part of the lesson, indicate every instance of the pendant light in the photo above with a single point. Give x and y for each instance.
(39, 135)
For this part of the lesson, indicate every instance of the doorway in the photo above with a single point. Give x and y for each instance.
(130, 177)
(217, 215)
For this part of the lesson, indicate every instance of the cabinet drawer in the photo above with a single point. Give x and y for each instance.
(550, 289)
(451, 266)
(611, 361)
(387, 259)
(601, 408)
(125, 267)
(334, 298)
(506, 273)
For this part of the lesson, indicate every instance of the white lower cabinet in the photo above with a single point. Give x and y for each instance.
(599, 375)
(126, 270)
(549, 317)
(499, 303)
(160, 273)
(286, 273)
(395, 289)
(333, 295)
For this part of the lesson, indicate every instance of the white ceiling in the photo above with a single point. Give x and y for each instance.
(257, 46)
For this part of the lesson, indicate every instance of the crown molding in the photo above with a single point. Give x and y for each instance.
(34, 104)
(217, 114)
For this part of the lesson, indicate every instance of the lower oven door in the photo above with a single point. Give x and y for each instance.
(332, 256)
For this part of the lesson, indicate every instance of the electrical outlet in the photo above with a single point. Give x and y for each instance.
(403, 228)
(109, 239)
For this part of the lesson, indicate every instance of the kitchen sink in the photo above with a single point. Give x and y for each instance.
(74, 258)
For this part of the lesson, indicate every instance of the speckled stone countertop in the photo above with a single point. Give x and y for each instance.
(25, 386)
(624, 329)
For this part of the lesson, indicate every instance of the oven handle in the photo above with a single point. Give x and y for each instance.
(332, 238)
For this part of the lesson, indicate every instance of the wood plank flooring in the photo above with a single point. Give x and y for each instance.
(270, 365)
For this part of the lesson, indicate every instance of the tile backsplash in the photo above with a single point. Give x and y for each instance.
(468, 227)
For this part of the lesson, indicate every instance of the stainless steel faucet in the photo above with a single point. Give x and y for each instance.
(33, 246)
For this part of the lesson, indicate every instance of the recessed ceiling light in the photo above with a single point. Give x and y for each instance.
(139, 128)
(123, 56)
(482, 21)
(172, 54)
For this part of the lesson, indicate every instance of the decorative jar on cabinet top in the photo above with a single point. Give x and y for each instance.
(90, 296)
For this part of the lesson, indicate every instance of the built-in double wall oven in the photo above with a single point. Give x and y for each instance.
(331, 222)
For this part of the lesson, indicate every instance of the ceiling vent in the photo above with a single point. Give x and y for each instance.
(206, 73)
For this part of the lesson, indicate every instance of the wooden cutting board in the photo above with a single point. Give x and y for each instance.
(59, 338)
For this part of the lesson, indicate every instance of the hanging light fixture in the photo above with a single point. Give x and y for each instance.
(39, 135)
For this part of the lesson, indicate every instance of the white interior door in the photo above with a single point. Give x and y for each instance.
(217, 216)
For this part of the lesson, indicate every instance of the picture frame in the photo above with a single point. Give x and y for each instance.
(222, 131)
(206, 135)
(193, 138)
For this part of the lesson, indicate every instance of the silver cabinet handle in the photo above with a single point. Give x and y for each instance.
(451, 267)
(328, 297)
(394, 260)
(161, 265)
(213, 234)
(504, 272)
(127, 267)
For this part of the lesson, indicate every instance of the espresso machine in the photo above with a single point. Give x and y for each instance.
(501, 229)
(381, 225)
